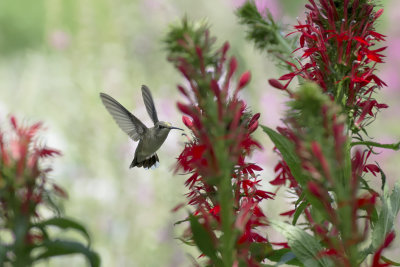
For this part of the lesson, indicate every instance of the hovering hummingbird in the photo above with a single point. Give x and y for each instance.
(150, 139)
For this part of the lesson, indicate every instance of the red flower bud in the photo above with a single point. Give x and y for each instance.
(254, 118)
(183, 91)
(185, 108)
(253, 127)
(244, 79)
(276, 84)
(14, 122)
(232, 66)
(188, 122)
(215, 87)
(225, 48)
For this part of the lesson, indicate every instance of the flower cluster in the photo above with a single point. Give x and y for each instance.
(22, 181)
(24, 190)
(223, 186)
(336, 41)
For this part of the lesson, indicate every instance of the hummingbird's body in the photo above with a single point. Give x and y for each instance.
(149, 144)
(150, 139)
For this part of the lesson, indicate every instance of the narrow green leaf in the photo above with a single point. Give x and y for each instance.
(259, 251)
(390, 261)
(395, 199)
(303, 245)
(181, 221)
(383, 178)
(203, 240)
(299, 211)
(62, 247)
(284, 256)
(288, 153)
(300, 199)
(3, 254)
(389, 210)
(64, 223)
(374, 216)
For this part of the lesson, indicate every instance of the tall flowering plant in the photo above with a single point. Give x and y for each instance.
(324, 146)
(226, 218)
(25, 191)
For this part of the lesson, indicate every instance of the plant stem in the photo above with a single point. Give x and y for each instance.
(395, 146)
(226, 202)
(22, 256)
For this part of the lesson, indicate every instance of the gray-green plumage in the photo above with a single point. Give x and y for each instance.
(150, 139)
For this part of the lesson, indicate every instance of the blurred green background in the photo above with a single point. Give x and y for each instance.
(57, 55)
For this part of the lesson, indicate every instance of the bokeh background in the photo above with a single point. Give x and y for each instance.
(57, 55)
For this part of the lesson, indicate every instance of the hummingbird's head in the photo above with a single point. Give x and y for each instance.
(165, 126)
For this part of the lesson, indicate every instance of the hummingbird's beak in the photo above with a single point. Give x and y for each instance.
(172, 127)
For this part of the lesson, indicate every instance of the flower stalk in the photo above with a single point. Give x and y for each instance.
(223, 186)
(324, 146)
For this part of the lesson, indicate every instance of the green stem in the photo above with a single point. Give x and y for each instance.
(22, 256)
(226, 202)
(226, 218)
(395, 146)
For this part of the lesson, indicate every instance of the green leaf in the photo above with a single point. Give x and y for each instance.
(62, 247)
(203, 240)
(395, 199)
(259, 251)
(64, 223)
(299, 211)
(288, 153)
(383, 178)
(387, 215)
(284, 256)
(390, 261)
(303, 245)
(3, 254)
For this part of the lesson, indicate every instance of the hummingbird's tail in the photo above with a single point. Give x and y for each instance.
(147, 163)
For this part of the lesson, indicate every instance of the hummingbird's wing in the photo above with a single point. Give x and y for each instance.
(131, 125)
(149, 103)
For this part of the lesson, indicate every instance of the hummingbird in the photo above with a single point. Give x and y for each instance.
(150, 139)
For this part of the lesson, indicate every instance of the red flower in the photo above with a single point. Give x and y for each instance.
(332, 41)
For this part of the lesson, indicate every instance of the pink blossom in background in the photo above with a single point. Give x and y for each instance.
(272, 108)
(390, 74)
(262, 5)
(59, 39)
(152, 4)
(391, 77)
(393, 51)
